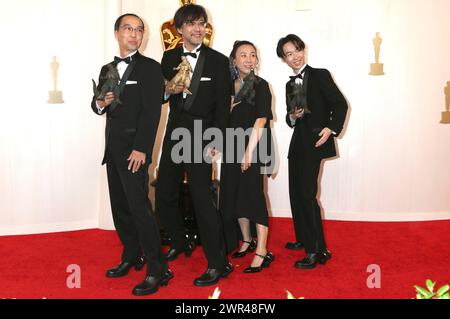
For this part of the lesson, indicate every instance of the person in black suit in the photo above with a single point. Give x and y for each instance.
(207, 107)
(131, 127)
(317, 120)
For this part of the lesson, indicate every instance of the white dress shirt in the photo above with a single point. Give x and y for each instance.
(192, 61)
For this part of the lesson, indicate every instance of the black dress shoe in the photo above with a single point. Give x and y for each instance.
(228, 270)
(311, 260)
(294, 245)
(325, 256)
(267, 259)
(173, 253)
(151, 284)
(212, 276)
(124, 267)
(251, 248)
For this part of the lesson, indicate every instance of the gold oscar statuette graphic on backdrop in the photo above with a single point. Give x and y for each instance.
(377, 67)
(446, 114)
(302, 5)
(170, 37)
(55, 96)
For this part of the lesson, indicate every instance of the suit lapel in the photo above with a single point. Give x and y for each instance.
(305, 85)
(124, 79)
(195, 82)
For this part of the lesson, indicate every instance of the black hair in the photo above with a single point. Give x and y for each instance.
(189, 13)
(119, 20)
(294, 39)
(236, 46)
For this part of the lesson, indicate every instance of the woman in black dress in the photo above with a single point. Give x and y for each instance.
(242, 199)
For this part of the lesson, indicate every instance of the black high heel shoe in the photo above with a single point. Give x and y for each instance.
(267, 260)
(251, 248)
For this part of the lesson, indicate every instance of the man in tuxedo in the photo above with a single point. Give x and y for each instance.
(316, 123)
(208, 106)
(131, 127)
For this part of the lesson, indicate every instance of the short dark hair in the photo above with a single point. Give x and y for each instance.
(296, 41)
(236, 46)
(189, 13)
(119, 20)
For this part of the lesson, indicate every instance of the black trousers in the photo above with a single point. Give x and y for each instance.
(306, 213)
(170, 177)
(133, 217)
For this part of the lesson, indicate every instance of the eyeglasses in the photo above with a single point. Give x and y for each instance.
(128, 29)
(200, 24)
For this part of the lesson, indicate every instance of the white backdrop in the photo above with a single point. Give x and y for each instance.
(394, 154)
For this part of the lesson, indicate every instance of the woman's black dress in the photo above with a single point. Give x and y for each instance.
(242, 194)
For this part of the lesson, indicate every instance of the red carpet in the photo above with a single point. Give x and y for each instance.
(408, 253)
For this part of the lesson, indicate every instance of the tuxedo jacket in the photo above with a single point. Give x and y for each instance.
(328, 109)
(133, 124)
(210, 87)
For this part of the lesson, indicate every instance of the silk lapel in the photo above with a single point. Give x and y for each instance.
(195, 82)
(124, 79)
(305, 83)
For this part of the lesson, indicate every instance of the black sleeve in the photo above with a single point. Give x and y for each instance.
(166, 68)
(263, 101)
(151, 90)
(336, 102)
(223, 93)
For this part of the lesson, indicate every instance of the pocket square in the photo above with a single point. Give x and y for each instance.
(131, 82)
(205, 79)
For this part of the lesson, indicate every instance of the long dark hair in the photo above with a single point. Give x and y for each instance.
(237, 44)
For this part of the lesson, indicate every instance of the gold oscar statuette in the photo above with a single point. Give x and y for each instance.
(446, 114)
(302, 5)
(377, 67)
(55, 96)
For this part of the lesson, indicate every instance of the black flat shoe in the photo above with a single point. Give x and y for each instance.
(294, 245)
(212, 276)
(267, 259)
(173, 253)
(124, 267)
(251, 248)
(151, 284)
(311, 260)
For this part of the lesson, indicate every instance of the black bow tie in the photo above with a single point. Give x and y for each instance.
(298, 76)
(192, 54)
(127, 60)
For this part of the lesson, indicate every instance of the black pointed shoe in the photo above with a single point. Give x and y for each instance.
(173, 253)
(311, 260)
(296, 245)
(267, 260)
(124, 267)
(251, 248)
(212, 276)
(325, 256)
(151, 284)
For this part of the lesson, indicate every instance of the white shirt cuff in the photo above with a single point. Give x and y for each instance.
(292, 120)
(99, 109)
